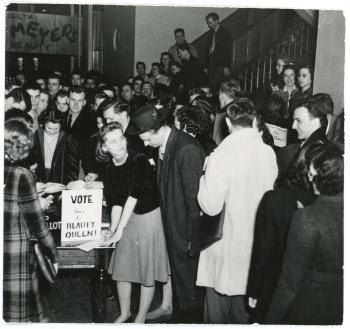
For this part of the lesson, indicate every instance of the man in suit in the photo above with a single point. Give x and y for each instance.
(180, 166)
(191, 68)
(310, 122)
(218, 52)
(79, 122)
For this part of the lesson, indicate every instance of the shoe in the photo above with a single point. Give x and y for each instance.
(159, 315)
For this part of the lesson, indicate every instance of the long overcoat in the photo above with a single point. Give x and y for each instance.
(178, 176)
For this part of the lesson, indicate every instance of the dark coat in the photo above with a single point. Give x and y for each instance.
(222, 53)
(23, 219)
(310, 287)
(81, 130)
(65, 160)
(271, 228)
(178, 176)
(192, 73)
(286, 155)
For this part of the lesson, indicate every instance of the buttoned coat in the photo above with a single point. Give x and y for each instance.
(178, 176)
(310, 287)
(239, 171)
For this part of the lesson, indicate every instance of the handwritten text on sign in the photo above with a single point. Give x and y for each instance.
(279, 135)
(41, 33)
(81, 216)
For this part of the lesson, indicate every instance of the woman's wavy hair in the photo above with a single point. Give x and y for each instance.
(195, 120)
(101, 155)
(328, 161)
(53, 115)
(18, 139)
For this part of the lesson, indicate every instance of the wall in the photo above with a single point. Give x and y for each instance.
(118, 42)
(154, 29)
(330, 52)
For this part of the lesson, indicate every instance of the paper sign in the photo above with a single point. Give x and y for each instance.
(279, 135)
(42, 33)
(81, 216)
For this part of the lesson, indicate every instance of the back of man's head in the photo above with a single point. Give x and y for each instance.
(325, 102)
(241, 113)
(231, 88)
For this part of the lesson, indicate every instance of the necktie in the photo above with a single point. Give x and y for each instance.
(212, 48)
(69, 122)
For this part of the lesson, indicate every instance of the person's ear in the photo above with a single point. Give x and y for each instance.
(229, 124)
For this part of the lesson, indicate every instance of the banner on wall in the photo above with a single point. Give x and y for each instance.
(81, 216)
(41, 33)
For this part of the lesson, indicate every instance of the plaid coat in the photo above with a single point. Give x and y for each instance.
(23, 218)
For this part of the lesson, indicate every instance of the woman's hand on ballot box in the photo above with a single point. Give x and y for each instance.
(114, 238)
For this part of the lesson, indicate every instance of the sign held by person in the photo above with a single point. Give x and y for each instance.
(42, 33)
(279, 135)
(81, 216)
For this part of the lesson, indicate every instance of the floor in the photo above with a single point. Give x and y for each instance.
(70, 299)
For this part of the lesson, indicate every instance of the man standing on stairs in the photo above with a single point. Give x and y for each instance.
(217, 53)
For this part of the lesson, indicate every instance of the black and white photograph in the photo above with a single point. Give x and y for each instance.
(173, 163)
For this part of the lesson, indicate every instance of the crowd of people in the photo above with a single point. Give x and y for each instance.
(165, 146)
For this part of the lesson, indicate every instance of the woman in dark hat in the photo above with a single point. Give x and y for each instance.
(132, 196)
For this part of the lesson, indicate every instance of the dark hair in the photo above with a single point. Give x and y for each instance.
(126, 83)
(77, 90)
(184, 47)
(325, 102)
(76, 71)
(166, 53)
(61, 93)
(328, 161)
(213, 16)
(100, 95)
(31, 85)
(101, 155)
(137, 78)
(316, 110)
(178, 30)
(241, 112)
(177, 64)
(231, 88)
(196, 91)
(194, 120)
(141, 63)
(147, 83)
(107, 87)
(117, 106)
(156, 64)
(274, 110)
(54, 76)
(51, 115)
(289, 67)
(309, 68)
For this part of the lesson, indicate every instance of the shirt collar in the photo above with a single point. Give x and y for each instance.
(163, 146)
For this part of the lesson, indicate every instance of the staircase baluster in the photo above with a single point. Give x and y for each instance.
(264, 71)
(295, 46)
(257, 74)
(301, 42)
(251, 79)
(270, 64)
(245, 79)
(233, 55)
(307, 41)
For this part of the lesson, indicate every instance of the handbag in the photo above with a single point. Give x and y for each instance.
(45, 264)
(206, 230)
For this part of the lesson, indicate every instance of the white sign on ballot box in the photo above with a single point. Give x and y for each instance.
(81, 216)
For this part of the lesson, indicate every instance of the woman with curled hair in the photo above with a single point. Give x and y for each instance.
(132, 196)
(196, 123)
(310, 287)
(23, 219)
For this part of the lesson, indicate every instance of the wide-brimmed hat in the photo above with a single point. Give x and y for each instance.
(146, 118)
